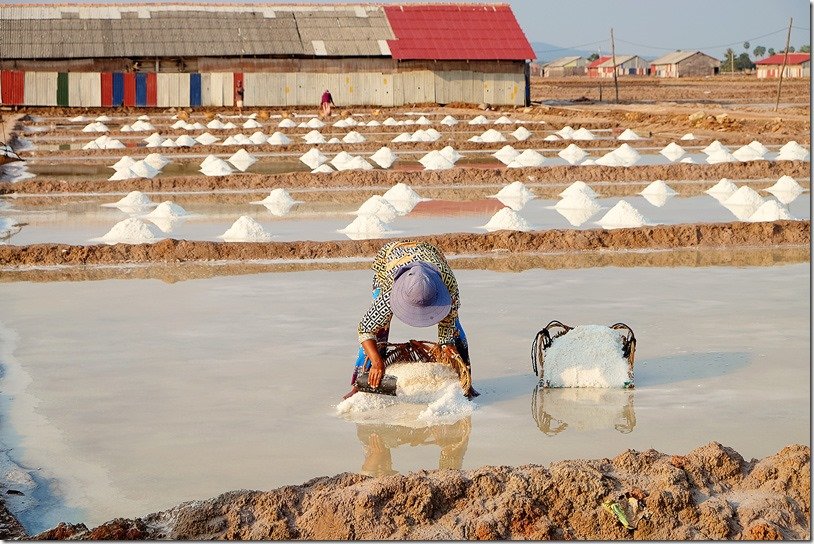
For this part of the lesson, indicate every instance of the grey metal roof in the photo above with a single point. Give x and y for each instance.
(564, 61)
(678, 56)
(178, 30)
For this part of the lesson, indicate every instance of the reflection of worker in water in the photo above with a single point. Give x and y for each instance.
(412, 281)
(379, 439)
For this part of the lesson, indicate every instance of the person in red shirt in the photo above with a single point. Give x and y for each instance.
(325, 104)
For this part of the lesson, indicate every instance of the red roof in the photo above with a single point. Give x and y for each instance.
(456, 32)
(794, 58)
(598, 61)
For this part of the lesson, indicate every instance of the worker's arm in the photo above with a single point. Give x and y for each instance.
(375, 321)
(376, 363)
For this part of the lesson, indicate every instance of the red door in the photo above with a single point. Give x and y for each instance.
(107, 89)
(152, 89)
(12, 83)
(129, 89)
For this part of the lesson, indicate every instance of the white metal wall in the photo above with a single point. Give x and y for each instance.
(84, 89)
(40, 88)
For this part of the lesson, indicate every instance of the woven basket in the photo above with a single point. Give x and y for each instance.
(418, 351)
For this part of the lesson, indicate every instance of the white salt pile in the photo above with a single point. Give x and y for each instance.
(340, 159)
(144, 170)
(771, 210)
(356, 163)
(229, 125)
(241, 139)
(103, 118)
(658, 187)
(206, 139)
(217, 167)
(278, 138)
(286, 123)
(167, 210)
(785, 185)
(586, 356)
(181, 124)
(277, 196)
(334, 140)
(169, 142)
(315, 123)
(503, 120)
(715, 147)
(423, 121)
(313, 158)
(373, 123)
(528, 158)
(450, 154)
(759, 147)
(242, 160)
(378, 206)
(744, 196)
(583, 134)
(515, 192)
(95, 127)
(104, 142)
(323, 169)
(390, 122)
(578, 187)
(364, 227)
(156, 160)
(673, 151)
(572, 154)
(384, 157)
(610, 159)
(479, 120)
(688, 136)
(629, 134)
(402, 197)
(552, 138)
(353, 137)
(719, 156)
(521, 133)
(578, 201)
(153, 139)
(449, 121)
(251, 123)
(434, 160)
(747, 153)
(506, 154)
(792, 151)
(492, 136)
(246, 229)
(314, 137)
(78, 119)
(403, 137)
(258, 138)
(141, 126)
(627, 155)
(135, 200)
(123, 163)
(724, 188)
(131, 231)
(506, 219)
(209, 159)
(213, 124)
(565, 132)
(121, 174)
(185, 141)
(126, 128)
(621, 216)
(688, 160)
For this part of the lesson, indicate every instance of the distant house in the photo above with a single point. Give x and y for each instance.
(685, 64)
(797, 65)
(626, 65)
(566, 66)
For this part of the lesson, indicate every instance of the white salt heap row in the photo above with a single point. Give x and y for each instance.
(246, 229)
(379, 207)
(628, 135)
(624, 155)
(402, 197)
(673, 151)
(521, 134)
(278, 202)
(134, 201)
(384, 157)
(286, 123)
(242, 160)
(96, 126)
(451, 154)
(420, 135)
(345, 161)
(435, 160)
(514, 195)
(528, 158)
(313, 158)
(314, 137)
(743, 203)
(479, 120)
(792, 151)
(506, 154)
(586, 356)
(621, 216)
(148, 167)
(353, 137)
(449, 121)
(748, 153)
(278, 138)
(206, 139)
(583, 134)
(104, 142)
(771, 210)
(131, 231)
(506, 219)
(167, 210)
(785, 190)
(213, 166)
(572, 154)
(490, 136)
(578, 203)
(657, 193)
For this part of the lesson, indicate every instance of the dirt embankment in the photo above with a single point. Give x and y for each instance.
(656, 237)
(710, 493)
(383, 178)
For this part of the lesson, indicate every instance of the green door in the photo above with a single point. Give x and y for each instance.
(62, 89)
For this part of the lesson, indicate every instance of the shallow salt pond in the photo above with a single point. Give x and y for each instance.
(80, 221)
(130, 396)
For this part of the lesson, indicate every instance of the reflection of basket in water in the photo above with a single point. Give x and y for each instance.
(555, 329)
(417, 351)
(555, 410)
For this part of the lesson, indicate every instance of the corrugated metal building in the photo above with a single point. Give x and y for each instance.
(626, 65)
(565, 66)
(685, 64)
(797, 65)
(283, 55)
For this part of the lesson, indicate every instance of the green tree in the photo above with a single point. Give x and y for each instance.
(805, 48)
(791, 49)
(759, 51)
(728, 62)
(746, 45)
(771, 51)
(743, 62)
(593, 56)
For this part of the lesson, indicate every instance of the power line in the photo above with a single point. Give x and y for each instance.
(573, 46)
(706, 46)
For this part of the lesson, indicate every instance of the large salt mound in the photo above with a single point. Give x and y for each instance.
(744, 196)
(785, 184)
(521, 133)
(506, 219)
(123, 173)
(365, 226)
(628, 134)
(578, 187)
(123, 163)
(747, 153)
(449, 121)
(423, 121)
(131, 231)
(627, 155)
(134, 199)
(313, 158)
(185, 141)
(403, 137)
(167, 210)
(792, 151)
(278, 138)
(565, 132)
(528, 158)
(206, 139)
(658, 187)
(573, 154)
(356, 163)
(378, 206)
(759, 147)
(384, 157)
(258, 138)
(286, 123)
(450, 154)
(434, 160)
(719, 156)
(724, 188)
(506, 154)
(314, 137)
(314, 123)
(246, 229)
(390, 122)
(673, 151)
(479, 120)
(242, 160)
(340, 159)
(583, 134)
(621, 216)
(715, 147)
(323, 169)
(516, 189)
(217, 167)
(770, 210)
(251, 123)
(586, 356)
(353, 137)
(576, 216)
(610, 159)
(492, 136)
(372, 123)
(153, 140)
(402, 197)
(578, 201)
(503, 120)
(144, 170)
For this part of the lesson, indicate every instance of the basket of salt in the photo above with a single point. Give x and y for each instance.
(584, 356)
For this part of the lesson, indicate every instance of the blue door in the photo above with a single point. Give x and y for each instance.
(194, 89)
(141, 89)
(118, 89)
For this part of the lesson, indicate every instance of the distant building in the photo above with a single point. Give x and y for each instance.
(685, 64)
(626, 65)
(565, 66)
(797, 65)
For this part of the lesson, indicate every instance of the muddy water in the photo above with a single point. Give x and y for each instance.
(132, 396)
(80, 221)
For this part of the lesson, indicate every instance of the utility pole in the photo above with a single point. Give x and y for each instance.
(783, 69)
(599, 52)
(615, 81)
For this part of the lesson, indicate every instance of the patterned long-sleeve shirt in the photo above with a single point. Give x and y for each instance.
(390, 258)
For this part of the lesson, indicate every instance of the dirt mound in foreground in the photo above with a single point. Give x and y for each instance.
(710, 493)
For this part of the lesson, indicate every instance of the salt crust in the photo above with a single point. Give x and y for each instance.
(586, 356)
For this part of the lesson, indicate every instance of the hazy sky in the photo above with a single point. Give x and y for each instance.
(649, 28)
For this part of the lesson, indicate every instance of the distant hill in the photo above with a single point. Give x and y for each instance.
(547, 52)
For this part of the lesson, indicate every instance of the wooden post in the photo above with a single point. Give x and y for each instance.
(783, 69)
(615, 81)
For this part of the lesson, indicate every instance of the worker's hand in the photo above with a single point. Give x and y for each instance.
(376, 373)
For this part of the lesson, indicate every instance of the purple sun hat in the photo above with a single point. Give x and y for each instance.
(419, 297)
